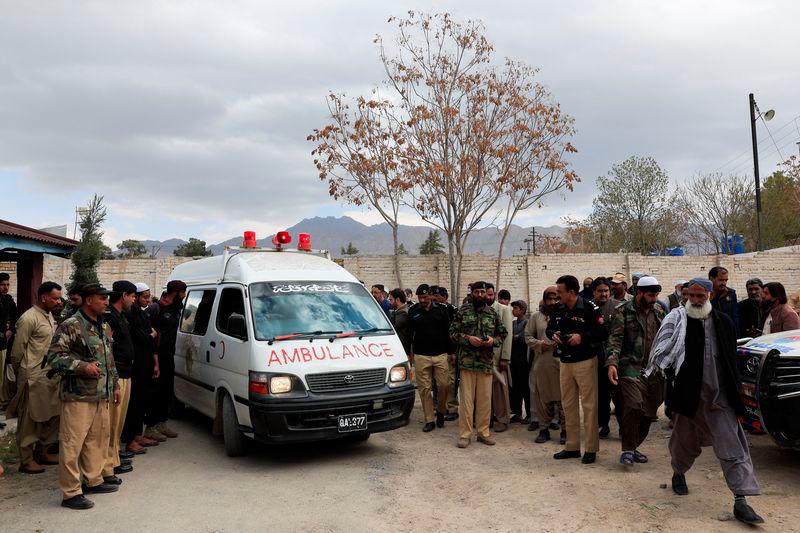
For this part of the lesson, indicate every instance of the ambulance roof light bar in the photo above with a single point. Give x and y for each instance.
(304, 242)
(249, 240)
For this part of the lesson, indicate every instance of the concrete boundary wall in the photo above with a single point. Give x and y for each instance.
(525, 276)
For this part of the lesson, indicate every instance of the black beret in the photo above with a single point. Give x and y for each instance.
(91, 289)
(480, 285)
(423, 289)
(123, 287)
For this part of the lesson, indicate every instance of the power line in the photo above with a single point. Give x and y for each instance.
(749, 150)
(771, 137)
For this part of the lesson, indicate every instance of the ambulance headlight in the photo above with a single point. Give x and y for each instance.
(398, 374)
(280, 384)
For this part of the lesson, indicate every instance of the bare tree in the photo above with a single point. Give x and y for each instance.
(358, 155)
(717, 207)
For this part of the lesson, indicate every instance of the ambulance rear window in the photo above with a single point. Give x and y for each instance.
(286, 307)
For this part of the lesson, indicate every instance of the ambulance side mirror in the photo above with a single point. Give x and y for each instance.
(237, 327)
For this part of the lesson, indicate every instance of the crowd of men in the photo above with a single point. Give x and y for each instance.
(491, 362)
(90, 382)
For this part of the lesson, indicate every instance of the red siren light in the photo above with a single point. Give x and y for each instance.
(304, 242)
(281, 238)
(249, 239)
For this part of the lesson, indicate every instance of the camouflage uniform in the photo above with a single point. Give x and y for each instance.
(84, 425)
(476, 364)
(631, 336)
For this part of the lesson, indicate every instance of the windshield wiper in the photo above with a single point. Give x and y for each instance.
(304, 335)
(360, 333)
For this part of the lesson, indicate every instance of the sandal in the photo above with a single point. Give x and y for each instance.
(639, 457)
(627, 458)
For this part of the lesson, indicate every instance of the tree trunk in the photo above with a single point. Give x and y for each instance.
(451, 261)
(500, 256)
(396, 258)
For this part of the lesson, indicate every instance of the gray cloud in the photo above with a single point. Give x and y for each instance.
(206, 105)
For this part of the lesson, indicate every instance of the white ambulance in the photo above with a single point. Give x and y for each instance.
(285, 345)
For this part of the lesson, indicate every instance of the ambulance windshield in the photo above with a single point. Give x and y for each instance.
(287, 307)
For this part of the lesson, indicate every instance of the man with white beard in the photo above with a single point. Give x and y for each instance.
(699, 343)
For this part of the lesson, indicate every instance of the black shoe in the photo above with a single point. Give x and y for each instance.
(123, 469)
(589, 457)
(429, 426)
(567, 454)
(604, 432)
(2, 425)
(439, 420)
(745, 513)
(543, 436)
(124, 462)
(533, 426)
(449, 417)
(514, 419)
(679, 486)
(124, 454)
(102, 488)
(554, 426)
(77, 502)
(112, 480)
(562, 438)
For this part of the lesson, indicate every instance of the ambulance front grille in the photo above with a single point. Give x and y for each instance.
(342, 381)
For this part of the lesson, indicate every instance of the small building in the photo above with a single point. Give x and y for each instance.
(26, 247)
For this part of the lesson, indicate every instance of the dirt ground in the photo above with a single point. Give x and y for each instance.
(406, 480)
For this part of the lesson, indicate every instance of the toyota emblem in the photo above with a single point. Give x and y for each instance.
(752, 365)
(349, 378)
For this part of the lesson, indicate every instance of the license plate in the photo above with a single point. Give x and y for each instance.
(349, 423)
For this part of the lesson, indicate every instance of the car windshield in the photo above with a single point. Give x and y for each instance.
(287, 307)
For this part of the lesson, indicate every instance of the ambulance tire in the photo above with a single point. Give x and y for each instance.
(234, 439)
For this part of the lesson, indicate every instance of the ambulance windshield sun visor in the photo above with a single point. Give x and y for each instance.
(289, 310)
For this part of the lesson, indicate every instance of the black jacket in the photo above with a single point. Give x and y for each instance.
(587, 320)
(144, 345)
(684, 397)
(8, 319)
(122, 346)
(429, 331)
(751, 315)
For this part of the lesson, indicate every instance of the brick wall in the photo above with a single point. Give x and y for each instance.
(523, 276)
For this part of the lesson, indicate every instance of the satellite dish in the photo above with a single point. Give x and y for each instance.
(769, 114)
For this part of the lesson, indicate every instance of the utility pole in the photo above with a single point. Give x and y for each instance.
(531, 240)
(755, 169)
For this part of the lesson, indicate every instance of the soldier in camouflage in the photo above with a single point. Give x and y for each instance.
(81, 354)
(631, 336)
(476, 330)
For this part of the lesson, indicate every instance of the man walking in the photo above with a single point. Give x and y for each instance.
(81, 354)
(676, 298)
(546, 371)
(123, 294)
(476, 330)
(501, 403)
(780, 315)
(165, 317)
(699, 343)
(519, 367)
(577, 329)
(601, 290)
(429, 330)
(633, 331)
(36, 404)
(619, 288)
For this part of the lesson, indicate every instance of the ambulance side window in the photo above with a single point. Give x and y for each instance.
(197, 312)
(231, 302)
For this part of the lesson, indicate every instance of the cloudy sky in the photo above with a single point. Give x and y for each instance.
(191, 117)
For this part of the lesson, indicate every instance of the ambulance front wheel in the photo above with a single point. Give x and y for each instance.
(234, 439)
